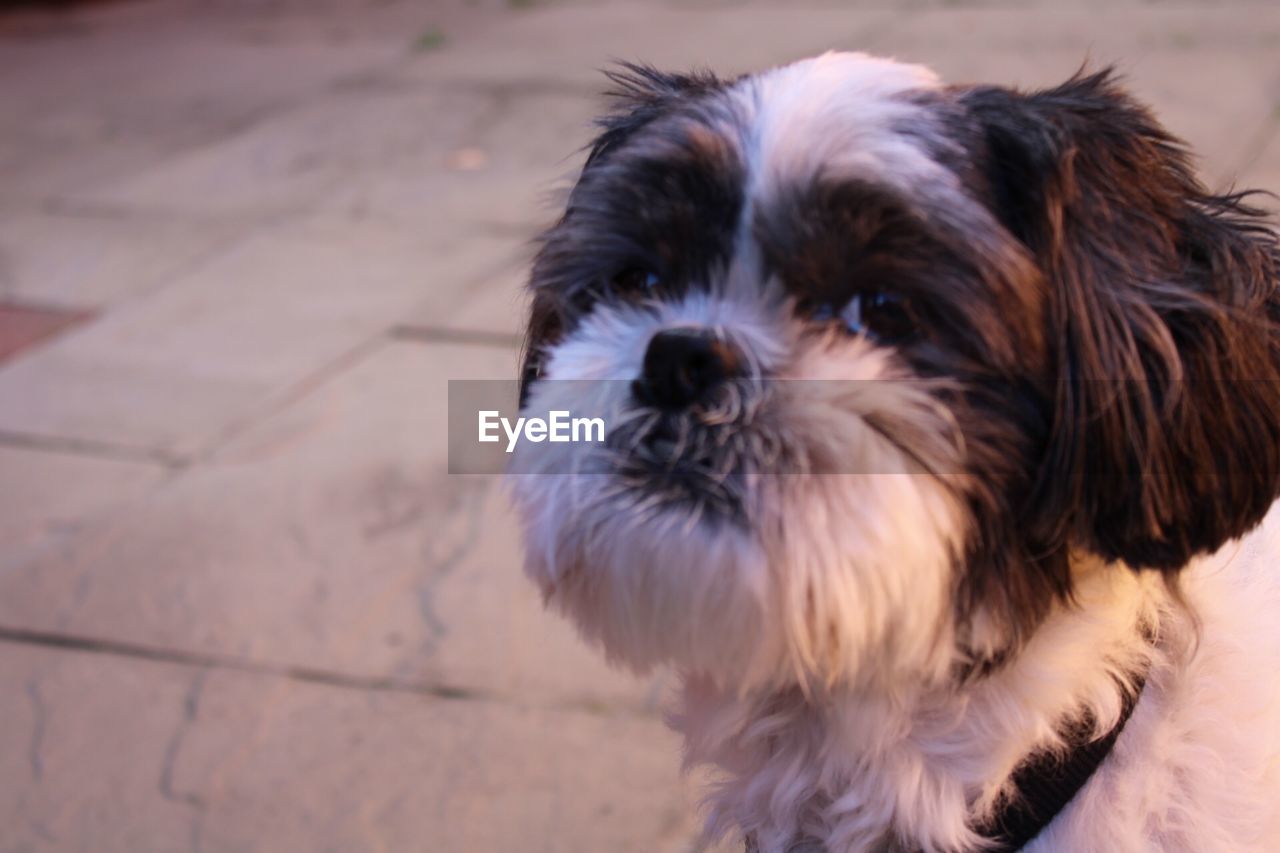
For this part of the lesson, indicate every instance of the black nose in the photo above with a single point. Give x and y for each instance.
(682, 365)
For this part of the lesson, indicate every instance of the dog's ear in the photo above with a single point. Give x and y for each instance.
(1164, 439)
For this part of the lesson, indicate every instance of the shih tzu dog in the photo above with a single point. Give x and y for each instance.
(944, 431)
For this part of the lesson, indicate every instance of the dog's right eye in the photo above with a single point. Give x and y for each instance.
(635, 280)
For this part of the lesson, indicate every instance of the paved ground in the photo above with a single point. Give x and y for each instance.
(242, 605)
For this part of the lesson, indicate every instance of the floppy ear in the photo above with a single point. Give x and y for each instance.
(1165, 398)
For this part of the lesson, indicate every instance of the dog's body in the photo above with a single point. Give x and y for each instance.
(1195, 768)
(944, 421)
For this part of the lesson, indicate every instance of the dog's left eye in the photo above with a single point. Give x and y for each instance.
(887, 317)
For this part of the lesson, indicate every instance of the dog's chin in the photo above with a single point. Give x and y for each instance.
(774, 597)
(671, 580)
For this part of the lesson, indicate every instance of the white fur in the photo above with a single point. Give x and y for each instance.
(835, 114)
(1196, 768)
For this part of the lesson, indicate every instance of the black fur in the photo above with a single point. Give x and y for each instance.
(641, 94)
(1165, 353)
(665, 205)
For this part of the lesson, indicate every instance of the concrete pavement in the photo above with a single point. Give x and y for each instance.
(242, 605)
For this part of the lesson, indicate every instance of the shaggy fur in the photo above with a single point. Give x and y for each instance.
(1002, 423)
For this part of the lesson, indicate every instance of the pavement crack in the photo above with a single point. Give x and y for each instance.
(546, 87)
(92, 447)
(438, 335)
(190, 713)
(212, 661)
(396, 505)
(289, 395)
(442, 564)
(189, 800)
(306, 549)
(39, 718)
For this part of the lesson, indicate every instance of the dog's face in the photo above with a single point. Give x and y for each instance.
(880, 360)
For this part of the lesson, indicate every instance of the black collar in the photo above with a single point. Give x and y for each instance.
(1046, 782)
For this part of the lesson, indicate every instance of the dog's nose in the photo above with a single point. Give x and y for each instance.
(682, 365)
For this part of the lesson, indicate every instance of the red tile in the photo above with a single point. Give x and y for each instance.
(23, 326)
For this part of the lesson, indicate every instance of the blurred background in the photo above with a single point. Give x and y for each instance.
(243, 246)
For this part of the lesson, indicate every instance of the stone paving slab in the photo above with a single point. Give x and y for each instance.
(1032, 47)
(23, 326)
(497, 304)
(331, 536)
(108, 754)
(172, 372)
(84, 745)
(1180, 61)
(50, 497)
(99, 97)
(95, 261)
(287, 162)
(568, 44)
(508, 168)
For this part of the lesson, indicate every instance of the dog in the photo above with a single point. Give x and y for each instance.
(944, 439)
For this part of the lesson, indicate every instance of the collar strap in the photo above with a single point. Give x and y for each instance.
(1047, 781)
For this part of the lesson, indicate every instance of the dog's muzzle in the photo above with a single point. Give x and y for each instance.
(688, 438)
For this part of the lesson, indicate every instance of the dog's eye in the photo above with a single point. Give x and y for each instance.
(891, 318)
(636, 280)
(887, 317)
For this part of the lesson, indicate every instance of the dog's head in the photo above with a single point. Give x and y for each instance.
(881, 360)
